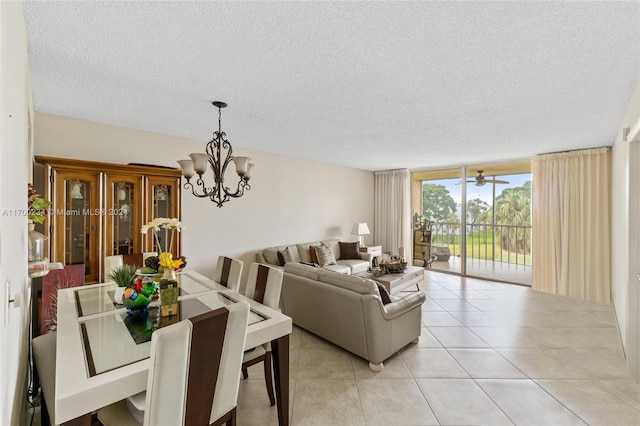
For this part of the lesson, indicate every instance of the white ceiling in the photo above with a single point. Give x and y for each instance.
(370, 85)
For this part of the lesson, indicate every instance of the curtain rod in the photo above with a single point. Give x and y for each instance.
(574, 150)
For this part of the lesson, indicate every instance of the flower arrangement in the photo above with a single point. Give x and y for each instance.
(37, 206)
(165, 258)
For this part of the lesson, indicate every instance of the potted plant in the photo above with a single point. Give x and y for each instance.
(123, 276)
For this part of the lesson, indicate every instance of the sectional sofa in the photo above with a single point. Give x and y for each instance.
(301, 253)
(348, 311)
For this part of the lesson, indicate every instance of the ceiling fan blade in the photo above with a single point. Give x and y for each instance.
(496, 181)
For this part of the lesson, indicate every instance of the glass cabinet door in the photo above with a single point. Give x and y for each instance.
(123, 215)
(76, 220)
(163, 198)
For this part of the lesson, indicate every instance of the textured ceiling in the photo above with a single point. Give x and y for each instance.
(370, 85)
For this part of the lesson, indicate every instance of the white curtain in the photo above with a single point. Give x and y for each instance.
(571, 224)
(393, 211)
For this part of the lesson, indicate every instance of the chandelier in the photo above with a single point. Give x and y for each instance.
(218, 156)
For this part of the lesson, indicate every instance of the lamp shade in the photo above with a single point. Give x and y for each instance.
(360, 229)
(242, 165)
(199, 162)
(247, 175)
(187, 168)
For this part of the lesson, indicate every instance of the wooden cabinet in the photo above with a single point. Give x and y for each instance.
(99, 208)
(75, 224)
(124, 215)
(161, 201)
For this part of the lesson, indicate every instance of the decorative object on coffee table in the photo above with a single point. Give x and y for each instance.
(395, 283)
(392, 264)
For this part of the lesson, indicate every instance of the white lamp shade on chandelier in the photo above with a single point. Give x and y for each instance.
(360, 229)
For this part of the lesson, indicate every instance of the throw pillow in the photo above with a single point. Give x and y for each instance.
(349, 250)
(284, 256)
(312, 254)
(325, 255)
(384, 294)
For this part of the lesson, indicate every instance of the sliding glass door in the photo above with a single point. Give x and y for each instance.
(492, 203)
(437, 220)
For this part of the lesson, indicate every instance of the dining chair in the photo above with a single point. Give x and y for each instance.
(55, 280)
(44, 356)
(264, 285)
(193, 373)
(229, 272)
(111, 263)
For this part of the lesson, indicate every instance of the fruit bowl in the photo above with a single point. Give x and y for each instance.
(141, 274)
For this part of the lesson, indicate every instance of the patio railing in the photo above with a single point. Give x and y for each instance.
(498, 243)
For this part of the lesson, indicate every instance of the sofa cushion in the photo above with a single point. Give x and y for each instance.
(341, 269)
(355, 266)
(284, 256)
(384, 294)
(271, 254)
(335, 246)
(349, 250)
(313, 254)
(302, 270)
(349, 282)
(303, 250)
(325, 255)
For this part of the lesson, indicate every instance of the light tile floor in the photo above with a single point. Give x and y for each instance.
(481, 268)
(489, 354)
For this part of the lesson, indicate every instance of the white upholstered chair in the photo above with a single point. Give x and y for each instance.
(193, 373)
(229, 272)
(111, 263)
(264, 285)
(44, 357)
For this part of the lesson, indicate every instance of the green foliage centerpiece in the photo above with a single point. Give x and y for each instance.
(123, 275)
(133, 295)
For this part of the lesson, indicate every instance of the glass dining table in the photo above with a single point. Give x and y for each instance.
(102, 353)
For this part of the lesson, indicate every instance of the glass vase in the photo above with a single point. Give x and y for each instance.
(36, 244)
(169, 274)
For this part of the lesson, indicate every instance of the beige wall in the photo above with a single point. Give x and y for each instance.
(290, 200)
(15, 108)
(625, 218)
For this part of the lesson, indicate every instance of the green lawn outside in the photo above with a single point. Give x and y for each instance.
(479, 247)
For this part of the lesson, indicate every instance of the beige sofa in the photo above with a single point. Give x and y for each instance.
(300, 253)
(348, 311)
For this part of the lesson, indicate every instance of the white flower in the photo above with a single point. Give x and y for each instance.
(162, 222)
(167, 224)
(172, 224)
